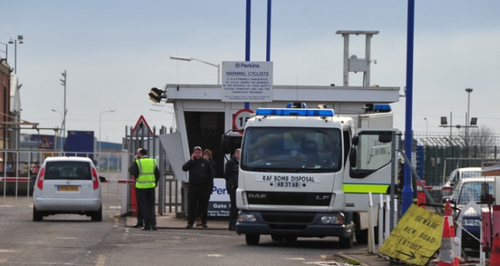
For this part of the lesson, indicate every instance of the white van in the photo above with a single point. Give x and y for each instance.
(459, 174)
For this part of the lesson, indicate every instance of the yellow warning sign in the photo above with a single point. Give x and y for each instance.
(416, 237)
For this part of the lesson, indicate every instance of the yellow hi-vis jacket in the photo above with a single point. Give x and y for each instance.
(146, 178)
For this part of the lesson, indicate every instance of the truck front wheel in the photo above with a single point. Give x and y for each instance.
(346, 242)
(252, 239)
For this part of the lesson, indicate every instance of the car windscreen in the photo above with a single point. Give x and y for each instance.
(67, 170)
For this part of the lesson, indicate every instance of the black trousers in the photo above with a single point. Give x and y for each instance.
(146, 204)
(233, 210)
(140, 220)
(198, 197)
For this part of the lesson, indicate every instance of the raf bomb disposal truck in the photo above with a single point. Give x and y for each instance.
(296, 178)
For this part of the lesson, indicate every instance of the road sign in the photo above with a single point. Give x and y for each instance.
(142, 127)
(240, 119)
(416, 238)
(247, 81)
(45, 143)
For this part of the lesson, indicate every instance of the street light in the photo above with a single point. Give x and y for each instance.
(100, 123)
(168, 112)
(194, 59)
(60, 138)
(20, 39)
(467, 122)
(65, 111)
(426, 134)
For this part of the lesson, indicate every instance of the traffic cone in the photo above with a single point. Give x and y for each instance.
(495, 250)
(446, 252)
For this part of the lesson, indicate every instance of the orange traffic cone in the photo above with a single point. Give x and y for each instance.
(447, 252)
(495, 251)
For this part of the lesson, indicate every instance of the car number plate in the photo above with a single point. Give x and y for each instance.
(68, 188)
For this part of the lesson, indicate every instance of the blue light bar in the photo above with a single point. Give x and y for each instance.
(295, 112)
(383, 108)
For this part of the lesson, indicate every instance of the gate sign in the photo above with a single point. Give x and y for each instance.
(416, 237)
(240, 119)
(143, 126)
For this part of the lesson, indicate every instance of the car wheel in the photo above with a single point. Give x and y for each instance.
(97, 216)
(252, 239)
(37, 216)
(346, 242)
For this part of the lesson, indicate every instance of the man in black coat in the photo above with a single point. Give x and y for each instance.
(201, 176)
(231, 176)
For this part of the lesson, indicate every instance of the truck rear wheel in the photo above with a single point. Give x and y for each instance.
(252, 239)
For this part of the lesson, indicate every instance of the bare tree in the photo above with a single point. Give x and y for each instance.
(482, 143)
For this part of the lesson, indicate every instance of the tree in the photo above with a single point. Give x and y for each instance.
(482, 143)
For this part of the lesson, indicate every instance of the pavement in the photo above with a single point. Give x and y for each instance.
(173, 221)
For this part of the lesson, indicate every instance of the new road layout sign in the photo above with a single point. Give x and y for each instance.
(416, 238)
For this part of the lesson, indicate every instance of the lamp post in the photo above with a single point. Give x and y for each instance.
(426, 132)
(60, 139)
(65, 111)
(100, 123)
(201, 61)
(168, 112)
(467, 122)
(15, 41)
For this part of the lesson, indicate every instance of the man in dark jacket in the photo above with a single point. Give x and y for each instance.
(231, 176)
(147, 173)
(201, 176)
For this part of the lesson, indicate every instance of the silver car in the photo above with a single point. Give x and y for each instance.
(67, 185)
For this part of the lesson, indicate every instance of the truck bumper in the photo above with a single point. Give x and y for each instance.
(298, 224)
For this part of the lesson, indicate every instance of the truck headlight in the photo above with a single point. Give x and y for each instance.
(332, 219)
(244, 217)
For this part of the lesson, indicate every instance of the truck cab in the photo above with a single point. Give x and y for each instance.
(292, 177)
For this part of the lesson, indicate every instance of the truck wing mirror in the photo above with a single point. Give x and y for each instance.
(385, 137)
(226, 144)
(355, 140)
(352, 157)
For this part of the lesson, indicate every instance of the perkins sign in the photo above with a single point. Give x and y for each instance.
(247, 81)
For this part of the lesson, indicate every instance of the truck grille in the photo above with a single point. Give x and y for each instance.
(287, 198)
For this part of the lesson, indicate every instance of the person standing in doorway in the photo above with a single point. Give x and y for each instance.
(207, 154)
(147, 173)
(231, 175)
(201, 178)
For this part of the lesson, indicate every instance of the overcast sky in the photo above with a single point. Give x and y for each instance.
(115, 51)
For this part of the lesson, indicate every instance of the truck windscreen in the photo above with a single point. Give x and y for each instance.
(291, 149)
